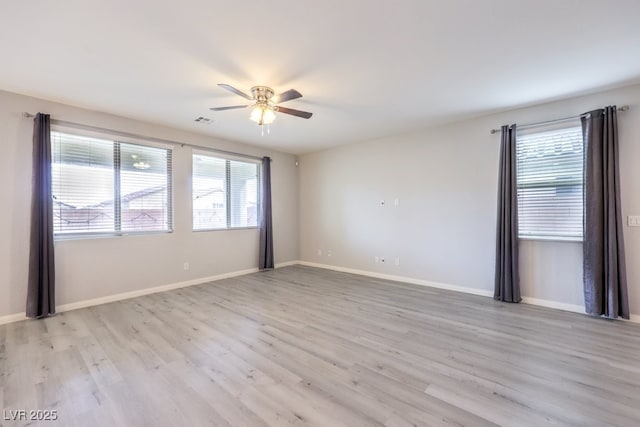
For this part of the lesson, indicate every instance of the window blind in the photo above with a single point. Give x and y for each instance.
(104, 186)
(225, 193)
(243, 186)
(145, 186)
(549, 168)
(209, 190)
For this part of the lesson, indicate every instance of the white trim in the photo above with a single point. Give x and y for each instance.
(405, 279)
(287, 264)
(147, 291)
(554, 304)
(635, 318)
(132, 294)
(10, 318)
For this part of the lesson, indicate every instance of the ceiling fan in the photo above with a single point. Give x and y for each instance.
(264, 102)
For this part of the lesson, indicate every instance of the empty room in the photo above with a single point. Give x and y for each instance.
(355, 213)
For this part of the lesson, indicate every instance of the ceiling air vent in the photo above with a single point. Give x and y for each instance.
(204, 120)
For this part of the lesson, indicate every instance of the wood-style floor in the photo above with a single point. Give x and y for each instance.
(304, 346)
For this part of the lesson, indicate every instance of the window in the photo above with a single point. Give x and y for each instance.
(225, 193)
(549, 174)
(102, 186)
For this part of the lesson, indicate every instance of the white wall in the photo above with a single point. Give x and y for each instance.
(96, 268)
(444, 227)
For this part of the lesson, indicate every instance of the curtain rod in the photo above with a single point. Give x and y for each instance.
(137, 136)
(550, 122)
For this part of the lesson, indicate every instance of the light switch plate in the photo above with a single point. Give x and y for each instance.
(633, 220)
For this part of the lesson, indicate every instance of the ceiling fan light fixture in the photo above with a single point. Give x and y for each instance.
(256, 114)
(268, 116)
(262, 115)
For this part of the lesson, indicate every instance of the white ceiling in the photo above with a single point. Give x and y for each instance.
(366, 68)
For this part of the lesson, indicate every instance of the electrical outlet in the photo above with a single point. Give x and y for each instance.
(396, 202)
(185, 265)
(319, 252)
(376, 259)
(397, 261)
(329, 252)
(633, 221)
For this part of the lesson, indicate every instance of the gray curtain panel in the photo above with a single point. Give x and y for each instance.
(265, 260)
(605, 280)
(41, 284)
(507, 275)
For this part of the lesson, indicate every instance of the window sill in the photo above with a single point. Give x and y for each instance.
(91, 236)
(552, 239)
(200, 230)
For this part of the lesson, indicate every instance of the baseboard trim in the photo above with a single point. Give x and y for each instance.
(140, 292)
(634, 318)
(147, 291)
(10, 318)
(553, 304)
(287, 264)
(481, 292)
(405, 279)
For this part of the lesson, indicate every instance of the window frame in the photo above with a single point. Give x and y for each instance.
(547, 184)
(228, 159)
(117, 210)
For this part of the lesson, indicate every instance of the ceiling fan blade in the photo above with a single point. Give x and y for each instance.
(233, 107)
(236, 91)
(287, 96)
(297, 113)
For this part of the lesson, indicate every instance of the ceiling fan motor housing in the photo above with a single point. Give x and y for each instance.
(262, 94)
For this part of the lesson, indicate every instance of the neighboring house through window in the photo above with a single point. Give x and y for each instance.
(102, 186)
(225, 192)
